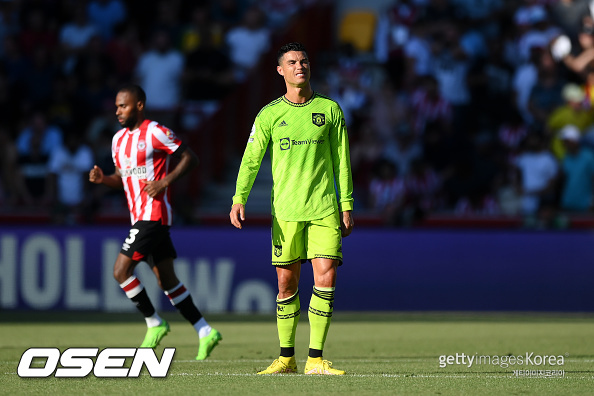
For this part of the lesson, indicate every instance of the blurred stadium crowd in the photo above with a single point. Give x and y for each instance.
(468, 107)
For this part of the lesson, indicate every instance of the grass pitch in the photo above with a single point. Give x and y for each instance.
(383, 353)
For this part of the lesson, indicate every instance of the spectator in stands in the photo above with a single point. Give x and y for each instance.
(451, 70)
(160, 72)
(74, 36)
(248, 42)
(539, 34)
(208, 74)
(403, 149)
(279, 12)
(524, 79)
(124, 49)
(546, 93)
(576, 58)
(423, 186)
(572, 112)
(538, 172)
(366, 151)
(429, 106)
(67, 167)
(512, 132)
(106, 15)
(569, 16)
(201, 30)
(31, 174)
(577, 173)
(40, 134)
(387, 192)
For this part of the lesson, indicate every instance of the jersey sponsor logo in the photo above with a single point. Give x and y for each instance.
(278, 250)
(252, 133)
(137, 171)
(308, 141)
(170, 134)
(282, 124)
(141, 145)
(80, 362)
(285, 143)
(318, 119)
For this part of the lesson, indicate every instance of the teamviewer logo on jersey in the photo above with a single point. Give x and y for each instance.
(285, 143)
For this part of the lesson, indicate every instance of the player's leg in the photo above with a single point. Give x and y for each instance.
(182, 300)
(287, 255)
(324, 249)
(135, 249)
(157, 327)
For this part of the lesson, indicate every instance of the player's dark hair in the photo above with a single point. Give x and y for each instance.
(135, 90)
(289, 47)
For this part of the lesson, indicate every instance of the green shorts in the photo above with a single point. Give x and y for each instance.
(294, 241)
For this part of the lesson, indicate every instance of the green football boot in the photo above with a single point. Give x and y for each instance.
(154, 335)
(208, 343)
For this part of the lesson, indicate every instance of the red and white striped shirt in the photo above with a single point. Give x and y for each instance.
(143, 154)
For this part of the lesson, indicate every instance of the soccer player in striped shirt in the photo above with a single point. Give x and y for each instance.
(141, 152)
(309, 148)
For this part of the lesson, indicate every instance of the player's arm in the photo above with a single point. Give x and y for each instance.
(114, 180)
(188, 161)
(248, 170)
(341, 162)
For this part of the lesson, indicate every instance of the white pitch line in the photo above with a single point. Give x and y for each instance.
(458, 376)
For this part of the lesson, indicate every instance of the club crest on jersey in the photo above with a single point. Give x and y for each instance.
(318, 119)
(278, 250)
(141, 145)
(285, 143)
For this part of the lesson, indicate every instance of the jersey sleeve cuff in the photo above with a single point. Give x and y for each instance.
(238, 200)
(345, 206)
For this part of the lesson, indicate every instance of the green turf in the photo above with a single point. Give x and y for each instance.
(382, 354)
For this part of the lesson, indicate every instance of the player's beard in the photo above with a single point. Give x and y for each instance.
(130, 121)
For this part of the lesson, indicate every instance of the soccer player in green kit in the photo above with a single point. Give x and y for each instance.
(311, 202)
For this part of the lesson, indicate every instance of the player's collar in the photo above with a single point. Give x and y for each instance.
(141, 127)
(287, 101)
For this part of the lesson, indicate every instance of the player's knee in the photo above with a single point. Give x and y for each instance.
(119, 274)
(326, 279)
(121, 271)
(287, 286)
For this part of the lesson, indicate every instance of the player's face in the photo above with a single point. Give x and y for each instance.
(127, 109)
(294, 68)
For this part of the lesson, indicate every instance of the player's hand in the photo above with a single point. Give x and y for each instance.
(347, 223)
(154, 187)
(96, 175)
(237, 215)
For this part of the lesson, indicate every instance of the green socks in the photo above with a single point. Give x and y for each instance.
(287, 316)
(320, 314)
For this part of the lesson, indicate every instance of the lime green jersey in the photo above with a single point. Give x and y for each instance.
(311, 165)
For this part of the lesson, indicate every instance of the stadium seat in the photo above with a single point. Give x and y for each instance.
(358, 28)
